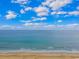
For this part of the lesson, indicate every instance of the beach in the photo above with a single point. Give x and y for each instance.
(39, 55)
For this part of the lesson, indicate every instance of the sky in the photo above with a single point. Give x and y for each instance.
(39, 14)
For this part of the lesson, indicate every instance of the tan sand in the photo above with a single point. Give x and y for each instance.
(42, 55)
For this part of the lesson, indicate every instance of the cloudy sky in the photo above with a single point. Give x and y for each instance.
(39, 14)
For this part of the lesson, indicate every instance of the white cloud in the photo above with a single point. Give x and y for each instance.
(34, 19)
(58, 12)
(6, 26)
(74, 24)
(59, 21)
(41, 11)
(66, 13)
(41, 19)
(53, 13)
(20, 1)
(28, 8)
(22, 11)
(26, 21)
(42, 14)
(50, 27)
(56, 4)
(10, 15)
(73, 13)
(35, 24)
(62, 12)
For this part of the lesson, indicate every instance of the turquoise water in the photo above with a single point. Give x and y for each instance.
(39, 39)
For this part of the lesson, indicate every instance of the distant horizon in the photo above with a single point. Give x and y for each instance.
(40, 27)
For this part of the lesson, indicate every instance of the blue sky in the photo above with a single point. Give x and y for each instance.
(39, 14)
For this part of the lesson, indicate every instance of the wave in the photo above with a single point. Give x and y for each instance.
(39, 51)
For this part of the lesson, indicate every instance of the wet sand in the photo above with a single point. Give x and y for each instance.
(42, 55)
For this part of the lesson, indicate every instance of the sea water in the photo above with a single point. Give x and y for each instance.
(39, 40)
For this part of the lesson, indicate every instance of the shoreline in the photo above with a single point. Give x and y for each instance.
(38, 51)
(39, 55)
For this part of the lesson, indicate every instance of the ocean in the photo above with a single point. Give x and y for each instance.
(39, 40)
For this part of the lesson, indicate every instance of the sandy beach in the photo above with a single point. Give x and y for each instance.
(39, 55)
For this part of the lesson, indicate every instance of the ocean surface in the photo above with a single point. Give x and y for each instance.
(39, 40)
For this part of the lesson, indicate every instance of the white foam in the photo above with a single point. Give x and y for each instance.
(40, 51)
